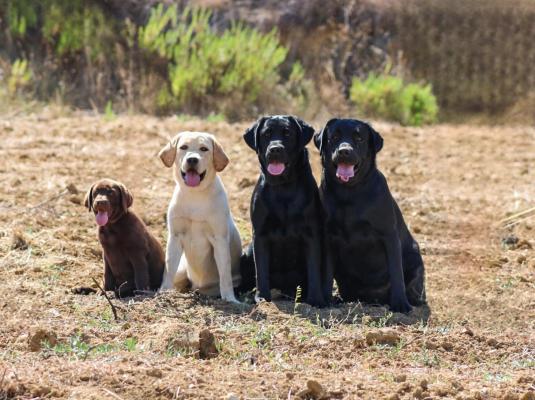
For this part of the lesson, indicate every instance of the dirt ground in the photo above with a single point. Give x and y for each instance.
(453, 183)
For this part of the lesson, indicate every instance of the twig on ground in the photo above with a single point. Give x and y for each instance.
(112, 394)
(515, 218)
(2, 380)
(113, 308)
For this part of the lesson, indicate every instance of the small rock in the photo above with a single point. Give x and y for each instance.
(400, 378)
(385, 336)
(36, 340)
(231, 396)
(510, 241)
(207, 345)
(492, 342)
(290, 375)
(424, 384)
(394, 396)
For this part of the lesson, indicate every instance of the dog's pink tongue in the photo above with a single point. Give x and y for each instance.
(275, 168)
(192, 178)
(102, 218)
(345, 172)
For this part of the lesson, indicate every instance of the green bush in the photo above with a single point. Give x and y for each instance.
(207, 69)
(389, 97)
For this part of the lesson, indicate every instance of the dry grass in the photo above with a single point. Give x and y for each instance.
(454, 184)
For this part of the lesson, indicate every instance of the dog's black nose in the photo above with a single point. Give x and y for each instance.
(192, 160)
(101, 202)
(276, 149)
(345, 151)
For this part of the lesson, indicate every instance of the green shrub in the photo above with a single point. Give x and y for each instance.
(20, 76)
(389, 97)
(232, 68)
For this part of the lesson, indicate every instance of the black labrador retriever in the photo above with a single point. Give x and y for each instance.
(286, 249)
(374, 257)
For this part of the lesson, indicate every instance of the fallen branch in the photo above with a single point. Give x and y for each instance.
(113, 308)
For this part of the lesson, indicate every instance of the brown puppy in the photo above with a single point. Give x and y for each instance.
(133, 259)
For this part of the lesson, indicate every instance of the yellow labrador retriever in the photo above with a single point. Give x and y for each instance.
(203, 246)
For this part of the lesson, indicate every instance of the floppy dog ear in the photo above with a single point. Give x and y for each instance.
(320, 139)
(126, 197)
(220, 158)
(88, 201)
(306, 130)
(377, 140)
(251, 134)
(168, 153)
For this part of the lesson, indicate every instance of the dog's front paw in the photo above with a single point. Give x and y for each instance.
(258, 298)
(401, 305)
(231, 299)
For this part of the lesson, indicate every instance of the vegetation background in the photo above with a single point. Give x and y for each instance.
(238, 59)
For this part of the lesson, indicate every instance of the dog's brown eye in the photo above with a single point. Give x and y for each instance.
(204, 148)
(183, 147)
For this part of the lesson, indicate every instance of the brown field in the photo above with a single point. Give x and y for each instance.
(453, 183)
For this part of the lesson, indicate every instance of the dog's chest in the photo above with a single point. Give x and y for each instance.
(348, 227)
(287, 215)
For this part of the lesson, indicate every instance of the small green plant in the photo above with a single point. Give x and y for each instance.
(77, 348)
(130, 344)
(109, 114)
(390, 97)
(20, 76)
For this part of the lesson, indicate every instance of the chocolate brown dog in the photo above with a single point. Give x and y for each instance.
(133, 258)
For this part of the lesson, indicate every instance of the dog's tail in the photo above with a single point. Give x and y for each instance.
(247, 271)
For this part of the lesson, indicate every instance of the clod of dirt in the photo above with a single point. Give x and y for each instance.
(83, 290)
(75, 199)
(400, 378)
(18, 241)
(263, 310)
(72, 189)
(36, 339)
(384, 336)
(314, 391)
(448, 346)
(424, 384)
(246, 182)
(207, 345)
(155, 373)
(528, 396)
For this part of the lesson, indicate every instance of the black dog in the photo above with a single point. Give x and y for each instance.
(285, 212)
(374, 257)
